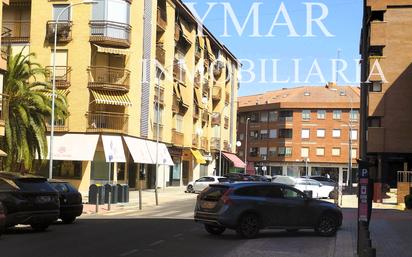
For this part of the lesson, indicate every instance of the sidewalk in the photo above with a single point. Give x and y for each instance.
(167, 195)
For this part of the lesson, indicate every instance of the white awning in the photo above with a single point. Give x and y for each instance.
(138, 149)
(73, 147)
(110, 50)
(113, 149)
(164, 157)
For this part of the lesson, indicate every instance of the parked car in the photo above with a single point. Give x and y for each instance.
(260, 178)
(287, 180)
(203, 182)
(71, 205)
(324, 180)
(250, 206)
(236, 177)
(317, 189)
(2, 219)
(28, 200)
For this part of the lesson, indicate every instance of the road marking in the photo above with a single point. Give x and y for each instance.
(129, 253)
(164, 214)
(119, 212)
(185, 215)
(157, 243)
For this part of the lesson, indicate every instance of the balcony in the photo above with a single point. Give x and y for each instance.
(179, 72)
(226, 124)
(107, 122)
(177, 138)
(4, 101)
(218, 69)
(216, 93)
(109, 78)
(376, 140)
(198, 52)
(216, 119)
(160, 132)
(160, 99)
(226, 146)
(110, 33)
(205, 117)
(204, 143)
(160, 54)
(227, 98)
(59, 125)
(161, 19)
(64, 31)
(198, 80)
(178, 31)
(206, 87)
(195, 141)
(62, 76)
(16, 32)
(215, 144)
(175, 105)
(196, 112)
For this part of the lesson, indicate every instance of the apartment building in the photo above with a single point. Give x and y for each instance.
(3, 69)
(311, 130)
(385, 41)
(117, 99)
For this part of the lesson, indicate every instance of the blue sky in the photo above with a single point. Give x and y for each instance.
(343, 21)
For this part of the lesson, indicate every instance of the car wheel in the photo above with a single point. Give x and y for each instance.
(327, 225)
(214, 230)
(40, 227)
(68, 219)
(189, 189)
(248, 226)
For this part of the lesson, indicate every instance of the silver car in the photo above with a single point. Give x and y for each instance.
(200, 184)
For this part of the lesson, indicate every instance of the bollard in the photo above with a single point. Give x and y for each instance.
(97, 202)
(110, 199)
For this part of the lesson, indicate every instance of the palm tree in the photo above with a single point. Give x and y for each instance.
(28, 109)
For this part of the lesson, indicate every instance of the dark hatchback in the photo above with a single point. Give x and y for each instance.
(71, 205)
(248, 207)
(28, 200)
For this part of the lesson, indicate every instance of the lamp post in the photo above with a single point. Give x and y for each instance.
(246, 137)
(54, 81)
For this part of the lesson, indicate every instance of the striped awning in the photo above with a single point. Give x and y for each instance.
(64, 92)
(111, 98)
(111, 50)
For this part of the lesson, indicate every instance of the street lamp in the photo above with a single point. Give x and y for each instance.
(54, 81)
(246, 137)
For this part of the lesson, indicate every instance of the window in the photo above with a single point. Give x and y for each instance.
(254, 134)
(156, 113)
(335, 151)
(320, 133)
(273, 116)
(320, 151)
(376, 86)
(179, 123)
(374, 122)
(241, 136)
(306, 115)
(291, 193)
(321, 114)
(216, 131)
(336, 133)
(242, 119)
(354, 153)
(285, 133)
(281, 151)
(253, 151)
(264, 117)
(272, 151)
(354, 135)
(304, 152)
(288, 151)
(263, 152)
(305, 133)
(254, 117)
(286, 115)
(273, 133)
(263, 134)
(241, 153)
(354, 115)
(116, 13)
(337, 114)
(57, 9)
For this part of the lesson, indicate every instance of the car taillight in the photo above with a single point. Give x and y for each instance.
(225, 197)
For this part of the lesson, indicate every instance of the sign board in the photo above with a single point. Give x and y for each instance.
(364, 194)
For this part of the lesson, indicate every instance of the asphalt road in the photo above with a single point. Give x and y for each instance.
(168, 231)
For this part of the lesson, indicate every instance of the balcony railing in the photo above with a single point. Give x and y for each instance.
(206, 87)
(216, 93)
(204, 143)
(227, 98)
(109, 78)
(16, 32)
(196, 111)
(160, 99)
(218, 69)
(175, 105)
(161, 19)
(110, 33)
(205, 117)
(226, 123)
(59, 125)
(195, 141)
(198, 80)
(216, 119)
(62, 76)
(160, 54)
(179, 72)
(107, 122)
(215, 143)
(64, 31)
(177, 138)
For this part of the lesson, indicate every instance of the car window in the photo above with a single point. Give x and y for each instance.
(34, 185)
(221, 180)
(6, 184)
(275, 192)
(213, 193)
(290, 193)
(209, 179)
(260, 191)
(204, 179)
(61, 187)
(314, 183)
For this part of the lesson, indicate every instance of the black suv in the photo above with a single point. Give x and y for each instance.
(28, 200)
(248, 207)
(71, 205)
